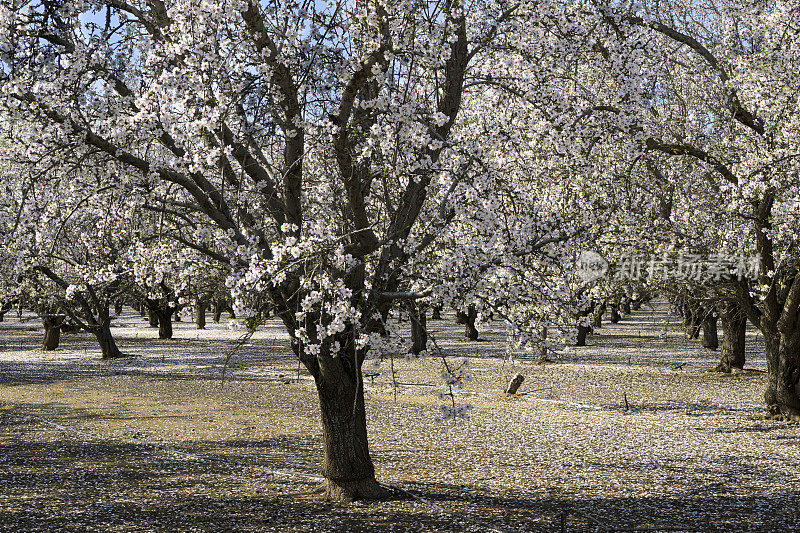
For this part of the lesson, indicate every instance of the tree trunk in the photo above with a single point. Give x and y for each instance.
(152, 317)
(176, 313)
(783, 373)
(6, 307)
(514, 384)
(200, 314)
(217, 311)
(685, 312)
(108, 346)
(542, 347)
(636, 304)
(709, 326)
(419, 330)
(582, 332)
(347, 466)
(436, 313)
(468, 319)
(693, 321)
(118, 308)
(615, 317)
(734, 327)
(626, 305)
(164, 323)
(584, 324)
(597, 322)
(52, 332)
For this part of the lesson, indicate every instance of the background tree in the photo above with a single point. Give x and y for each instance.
(706, 85)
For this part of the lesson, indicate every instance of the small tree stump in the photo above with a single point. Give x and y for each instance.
(514, 384)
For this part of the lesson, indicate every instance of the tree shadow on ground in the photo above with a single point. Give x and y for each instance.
(679, 512)
(54, 482)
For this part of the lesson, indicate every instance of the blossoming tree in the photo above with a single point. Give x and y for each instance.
(710, 86)
(316, 138)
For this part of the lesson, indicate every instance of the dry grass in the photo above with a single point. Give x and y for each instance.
(691, 450)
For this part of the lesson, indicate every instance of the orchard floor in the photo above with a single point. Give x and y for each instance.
(631, 432)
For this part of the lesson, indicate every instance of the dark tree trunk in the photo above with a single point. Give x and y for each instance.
(542, 348)
(6, 307)
(734, 328)
(165, 323)
(152, 317)
(694, 321)
(468, 319)
(177, 315)
(626, 305)
(436, 312)
(347, 466)
(597, 322)
(783, 374)
(217, 311)
(514, 384)
(200, 314)
(636, 304)
(584, 324)
(582, 332)
(108, 346)
(52, 332)
(777, 317)
(118, 308)
(685, 312)
(709, 326)
(615, 313)
(419, 329)
(160, 313)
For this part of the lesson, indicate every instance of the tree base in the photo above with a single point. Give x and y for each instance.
(725, 369)
(348, 491)
(118, 355)
(782, 413)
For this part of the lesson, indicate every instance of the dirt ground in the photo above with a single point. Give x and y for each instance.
(629, 433)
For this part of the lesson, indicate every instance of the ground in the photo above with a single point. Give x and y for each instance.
(630, 433)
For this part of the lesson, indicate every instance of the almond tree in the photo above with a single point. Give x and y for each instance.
(68, 245)
(711, 84)
(315, 137)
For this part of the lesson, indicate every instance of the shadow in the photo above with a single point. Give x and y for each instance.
(680, 512)
(760, 428)
(56, 482)
(64, 484)
(191, 353)
(687, 408)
